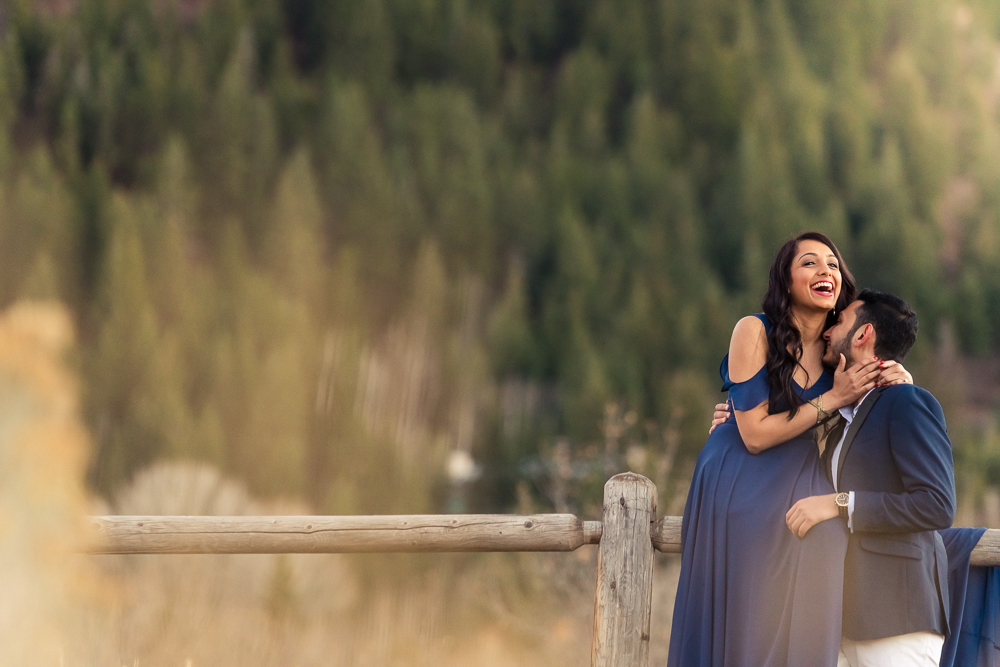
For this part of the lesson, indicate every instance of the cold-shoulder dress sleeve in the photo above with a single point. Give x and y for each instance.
(748, 394)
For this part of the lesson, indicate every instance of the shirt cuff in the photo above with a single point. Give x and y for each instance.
(850, 510)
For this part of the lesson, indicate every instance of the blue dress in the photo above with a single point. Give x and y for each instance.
(974, 640)
(751, 594)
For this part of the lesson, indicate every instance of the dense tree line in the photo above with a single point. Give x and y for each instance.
(324, 244)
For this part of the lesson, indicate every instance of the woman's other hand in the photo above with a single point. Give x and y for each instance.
(721, 416)
(893, 373)
(851, 384)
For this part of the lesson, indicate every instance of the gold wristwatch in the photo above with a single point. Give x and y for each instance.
(842, 500)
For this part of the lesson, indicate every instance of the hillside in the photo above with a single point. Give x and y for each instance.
(326, 245)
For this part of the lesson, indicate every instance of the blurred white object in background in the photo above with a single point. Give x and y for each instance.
(462, 468)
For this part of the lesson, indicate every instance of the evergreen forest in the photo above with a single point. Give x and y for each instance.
(478, 255)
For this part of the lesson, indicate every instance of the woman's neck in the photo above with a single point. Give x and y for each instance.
(811, 324)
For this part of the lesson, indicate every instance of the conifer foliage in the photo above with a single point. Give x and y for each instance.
(330, 245)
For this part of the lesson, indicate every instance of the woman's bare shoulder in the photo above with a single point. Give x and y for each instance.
(747, 349)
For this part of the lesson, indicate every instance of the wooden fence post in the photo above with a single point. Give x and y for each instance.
(624, 573)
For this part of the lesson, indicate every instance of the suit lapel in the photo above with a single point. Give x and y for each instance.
(852, 432)
(832, 431)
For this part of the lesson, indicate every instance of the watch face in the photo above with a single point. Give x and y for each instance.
(843, 499)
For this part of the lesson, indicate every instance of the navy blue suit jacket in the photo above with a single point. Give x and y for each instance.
(897, 460)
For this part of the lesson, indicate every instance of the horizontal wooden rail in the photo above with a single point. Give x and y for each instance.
(623, 599)
(383, 534)
(987, 552)
(666, 535)
(341, 534)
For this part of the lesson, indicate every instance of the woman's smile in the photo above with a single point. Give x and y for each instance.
(823, 288)
(815, 276)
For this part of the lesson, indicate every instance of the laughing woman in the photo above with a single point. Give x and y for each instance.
(750, 592)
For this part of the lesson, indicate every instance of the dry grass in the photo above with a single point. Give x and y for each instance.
(435, 609)
(61, 608)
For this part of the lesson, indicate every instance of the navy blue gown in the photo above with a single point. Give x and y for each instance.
(751, 594)
(975, 604)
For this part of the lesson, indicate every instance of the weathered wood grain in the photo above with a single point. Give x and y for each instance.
(667, 538)
(383, 534)
(340, 534)
(623, 601)
(666, 535)
(987, 552)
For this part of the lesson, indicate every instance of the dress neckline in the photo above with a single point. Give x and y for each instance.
(820, 382)
(767, 329)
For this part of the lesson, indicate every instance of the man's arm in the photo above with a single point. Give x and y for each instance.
(921, 450)
(807, 512)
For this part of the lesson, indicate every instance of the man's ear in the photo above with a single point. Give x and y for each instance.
(864, 334)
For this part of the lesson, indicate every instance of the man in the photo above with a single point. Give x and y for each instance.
(890, 461)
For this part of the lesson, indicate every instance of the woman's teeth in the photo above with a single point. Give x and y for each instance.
(823, 287)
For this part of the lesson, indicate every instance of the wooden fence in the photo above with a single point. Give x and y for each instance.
(627, 536)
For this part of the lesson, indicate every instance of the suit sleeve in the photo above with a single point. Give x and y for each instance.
(921, 450)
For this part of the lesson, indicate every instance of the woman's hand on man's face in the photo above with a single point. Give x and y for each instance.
(851, 384)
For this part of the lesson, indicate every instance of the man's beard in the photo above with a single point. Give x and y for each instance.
(837, 348)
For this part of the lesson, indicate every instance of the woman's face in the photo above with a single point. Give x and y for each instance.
(815, 274)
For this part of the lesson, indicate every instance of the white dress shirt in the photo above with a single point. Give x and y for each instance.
(848, 413)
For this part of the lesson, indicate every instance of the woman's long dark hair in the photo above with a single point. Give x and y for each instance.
(784, 342)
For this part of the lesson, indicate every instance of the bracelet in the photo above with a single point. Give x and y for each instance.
(821, 414)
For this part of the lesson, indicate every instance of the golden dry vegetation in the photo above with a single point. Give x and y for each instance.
(64, 608)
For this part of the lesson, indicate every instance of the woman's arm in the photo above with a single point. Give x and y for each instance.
(760, 430)
(893, 372)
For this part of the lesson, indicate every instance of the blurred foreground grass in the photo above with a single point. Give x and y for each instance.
(43, 455)
(62, 608)
(430, 609)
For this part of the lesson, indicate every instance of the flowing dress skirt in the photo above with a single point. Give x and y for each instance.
(751, 594)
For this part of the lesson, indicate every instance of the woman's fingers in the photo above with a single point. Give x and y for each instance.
(867, 366)
(863, 377)
(871, 373)
(852, 383)
(894, 373)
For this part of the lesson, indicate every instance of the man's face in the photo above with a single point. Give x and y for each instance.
(838, 337)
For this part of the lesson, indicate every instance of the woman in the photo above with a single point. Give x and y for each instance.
(750, 592)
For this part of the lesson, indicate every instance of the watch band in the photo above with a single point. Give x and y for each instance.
(843, 501)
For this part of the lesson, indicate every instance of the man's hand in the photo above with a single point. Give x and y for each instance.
(809, 511)
(720, 417)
